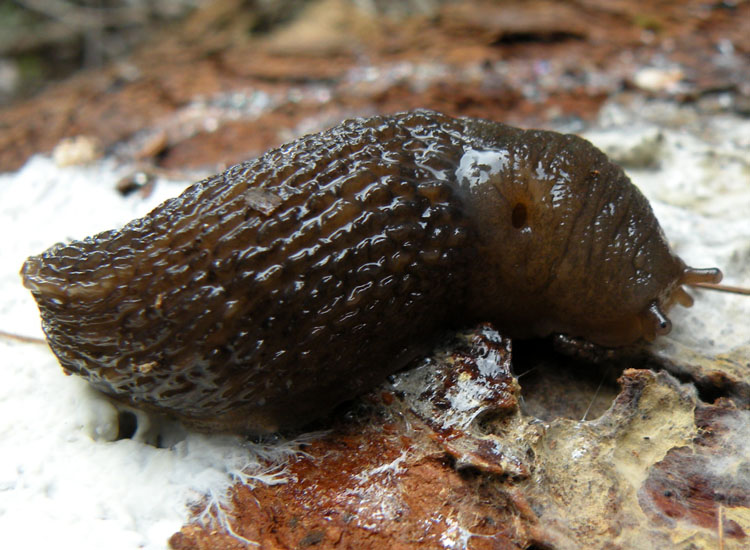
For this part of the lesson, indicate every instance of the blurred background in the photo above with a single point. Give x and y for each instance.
(200, 84)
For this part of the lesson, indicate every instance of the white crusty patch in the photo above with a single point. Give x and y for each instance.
(62, 469)
(476, 167)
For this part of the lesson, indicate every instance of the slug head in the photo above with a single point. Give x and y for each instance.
(567, 243)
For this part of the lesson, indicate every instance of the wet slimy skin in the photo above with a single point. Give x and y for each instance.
(262, 297)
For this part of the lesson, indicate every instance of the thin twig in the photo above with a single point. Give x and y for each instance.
(591, 403)
(524, 373)
(22, 338)
(723, 288)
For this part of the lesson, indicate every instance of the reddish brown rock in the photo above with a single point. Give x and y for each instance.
(443, 455)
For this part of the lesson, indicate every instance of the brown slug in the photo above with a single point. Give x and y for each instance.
(262, 297)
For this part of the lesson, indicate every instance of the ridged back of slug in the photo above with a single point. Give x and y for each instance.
(264, 296)
(276, 289)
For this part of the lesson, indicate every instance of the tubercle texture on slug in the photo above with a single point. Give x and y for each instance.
(263, 296)
(276, 288)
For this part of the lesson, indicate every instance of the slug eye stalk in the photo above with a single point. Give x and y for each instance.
(655, 322)
(654, 319)
(696, 277)
(708, 279)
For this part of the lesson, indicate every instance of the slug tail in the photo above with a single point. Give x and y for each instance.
(36, 282)
(73, 272)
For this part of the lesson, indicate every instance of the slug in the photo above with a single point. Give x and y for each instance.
(262, 297)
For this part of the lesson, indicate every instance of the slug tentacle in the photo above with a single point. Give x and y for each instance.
(692, 275)
(682, 297)
(655, 322)
(264, 296)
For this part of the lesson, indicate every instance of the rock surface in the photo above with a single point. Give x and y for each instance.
(445, 456)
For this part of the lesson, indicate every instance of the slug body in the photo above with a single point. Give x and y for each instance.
(262, 297)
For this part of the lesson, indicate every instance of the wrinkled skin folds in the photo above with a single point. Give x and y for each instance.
(262, 297)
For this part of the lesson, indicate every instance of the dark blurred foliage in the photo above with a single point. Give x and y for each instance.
(43, 41)
(46, 40)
